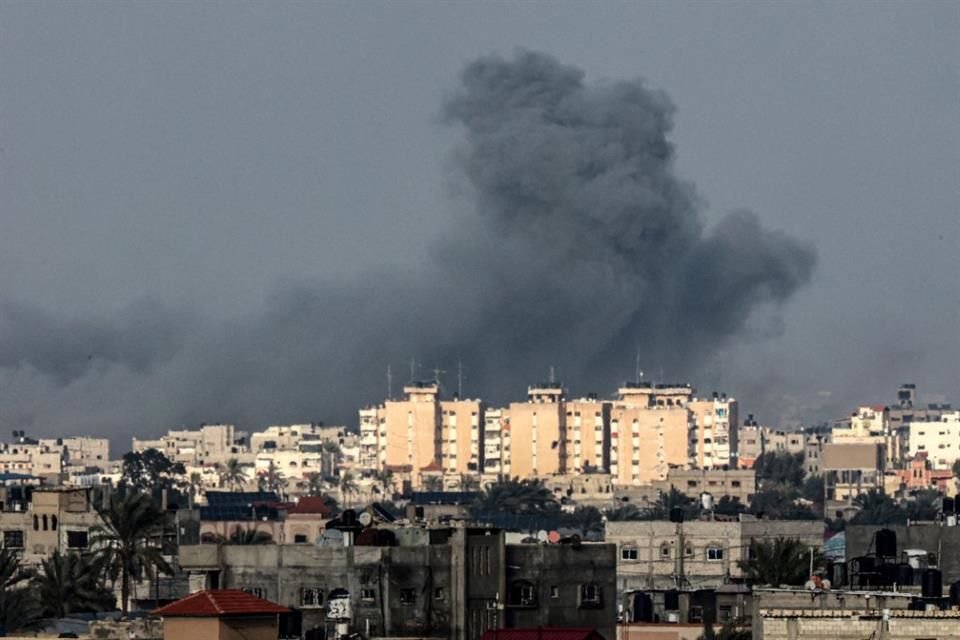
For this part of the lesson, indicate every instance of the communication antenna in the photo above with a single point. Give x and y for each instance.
(460, 379)
(389, 383)
(436, 374)
(552, 376)
(637, 372)
(413, 369)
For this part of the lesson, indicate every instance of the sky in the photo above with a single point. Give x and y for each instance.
(237, 211)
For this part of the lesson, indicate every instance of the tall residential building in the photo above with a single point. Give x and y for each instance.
(939, 440)
(588, 435)
(413, 428)
(649, 432)
(538, 432)
(373, 432)
(715, 435)
(496, 442)
(460, 435)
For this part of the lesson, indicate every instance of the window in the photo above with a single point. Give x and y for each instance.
(554, 592)
(696, 614)
(46, 522)
(734, 483)
(36, 522)
(311, 597)
(77, 539)
(438, 593)
(408, 597)
(714, 553)
(367, 594)
(522, 594)
(688, 550)
(13, 539)
(299, 538)
(257, 592)
(53, 522)
(629, 553)
(664, 551)
(591, 595)
(726, 614)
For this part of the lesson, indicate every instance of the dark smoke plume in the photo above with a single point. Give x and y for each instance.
(579, 246)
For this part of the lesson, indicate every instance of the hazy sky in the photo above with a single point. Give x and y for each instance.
(165, 166)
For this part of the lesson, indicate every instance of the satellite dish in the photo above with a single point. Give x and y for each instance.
(553, 537)
(542, 536)
(365, 519)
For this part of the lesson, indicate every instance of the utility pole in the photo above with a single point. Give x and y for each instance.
(389, 383)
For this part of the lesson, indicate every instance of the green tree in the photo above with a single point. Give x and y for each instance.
(924, 504)
(148, 470)
(779, 502)
(667, 502)
(385, 480)
(877, 508)
(813, 489)
(348, 486)
(779, 467)
(513, 495)
(587, 519)
(433, 483)
(128, 541)
(249, 536)
(19, 609)
(315, 484)
(71, 583)
(729, 506)
(781, 561)
(232, 475)
(623, 513)
(469, 482)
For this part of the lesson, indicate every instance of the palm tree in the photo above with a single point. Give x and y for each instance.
(623, 513)
(315, 484)
(782, 561)
(925, 504)
(70, 583)
(469, 482)
(128, 540)
(348, 485)
(250, 536)
(433, 483)
(385, 478)
(233, 476)
(877, 508)
(516, 496)
(19, 609)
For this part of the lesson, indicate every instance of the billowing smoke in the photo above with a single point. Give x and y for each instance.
(573, 244)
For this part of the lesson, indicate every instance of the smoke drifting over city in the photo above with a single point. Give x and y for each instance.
(573, 245)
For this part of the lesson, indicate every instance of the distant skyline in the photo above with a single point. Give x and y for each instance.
(194, 197)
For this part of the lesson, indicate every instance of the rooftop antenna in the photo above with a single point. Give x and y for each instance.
(389, 383)
(637, 372)
(552, 376)
(413, 369)
(436, 374)
(460, 379)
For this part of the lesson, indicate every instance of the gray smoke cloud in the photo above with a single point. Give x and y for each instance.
(573, 244)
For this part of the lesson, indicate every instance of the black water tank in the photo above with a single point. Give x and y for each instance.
(904, 574)
(671, 600)
(931, 585)
(955, 594)
(865, 564)
(917, 604)
(676, 514)
(888, 573)
(949, 506)
(642, 607)
(838, 575)
(886, 543)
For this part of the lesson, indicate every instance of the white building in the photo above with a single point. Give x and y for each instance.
(940, 440)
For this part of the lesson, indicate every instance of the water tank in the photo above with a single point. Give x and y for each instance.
(949, 506)
(955, 594)
(642, 607)
(886, 543)
(931, 584)
(888, 573)
(676, 514)
(671, 600)
(838, 575)
(904, 574)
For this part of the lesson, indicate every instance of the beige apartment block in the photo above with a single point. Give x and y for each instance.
(413, 428)
(496, 444)
(588, 435)
(716, 424)
(210, 444)
(52, 519)
(80, 452)
(460, 435)
(538, 432)
(940, 440)
(649, 433)
(851, 469)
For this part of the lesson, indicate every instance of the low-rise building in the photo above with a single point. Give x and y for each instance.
(939, 440)
(38, 521)
(734, 483)
(221, 614)
(851, 469)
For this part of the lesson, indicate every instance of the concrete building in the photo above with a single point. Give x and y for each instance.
(871, 425)
(30, 456)
(939, 440)
(210, 444)
(38, 521)
(750, 443)
(649, 432)
(538, 432)
(715, 431)
(451, 583)
(588, 435)
(851, 469)
(461, 437)
(939, 543)
(918, 474)
(735, 483)
(695, 554)
(221, 614)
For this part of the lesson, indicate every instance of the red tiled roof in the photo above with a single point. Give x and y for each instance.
(219, 602)
(543, 633)
(311, 505)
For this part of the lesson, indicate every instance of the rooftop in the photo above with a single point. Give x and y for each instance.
(217, 603)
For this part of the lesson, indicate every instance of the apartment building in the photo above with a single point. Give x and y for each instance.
(460, 436)
(714, 436)
(734, 483)
(33, 457)
(696, 554)
(588, 435)
(871, 425)
(851, 469)
(37, 521)
(649, 432)
(538, 432)
(210, 444)
(939, 440)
